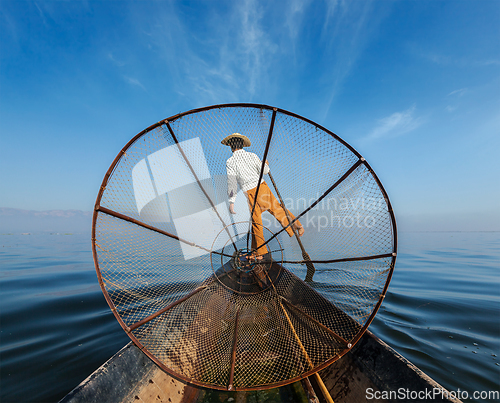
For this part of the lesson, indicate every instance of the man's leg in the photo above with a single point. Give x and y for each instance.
(258, 232)
(257, 228)
(278, 211)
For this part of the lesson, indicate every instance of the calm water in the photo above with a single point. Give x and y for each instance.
(442, 312)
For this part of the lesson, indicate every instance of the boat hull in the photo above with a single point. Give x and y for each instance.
(371, 372)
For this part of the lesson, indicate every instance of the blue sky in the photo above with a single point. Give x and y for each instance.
(413, 85)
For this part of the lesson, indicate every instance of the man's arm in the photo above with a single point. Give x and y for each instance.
(266, 168)
(258, 164)
(232, 186)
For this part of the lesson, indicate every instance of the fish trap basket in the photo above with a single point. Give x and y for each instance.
(177, 268)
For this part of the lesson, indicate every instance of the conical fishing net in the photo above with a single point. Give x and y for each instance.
(179, 270)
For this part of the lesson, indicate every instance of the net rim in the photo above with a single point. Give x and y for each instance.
(128, 331)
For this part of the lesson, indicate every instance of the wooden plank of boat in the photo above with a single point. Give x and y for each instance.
(130, 376)
(372, 368)
(368, 370)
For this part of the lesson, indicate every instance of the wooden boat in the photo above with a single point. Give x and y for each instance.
(250, 324)
(371, 372)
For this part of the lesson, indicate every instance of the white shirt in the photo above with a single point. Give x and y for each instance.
(243, 168)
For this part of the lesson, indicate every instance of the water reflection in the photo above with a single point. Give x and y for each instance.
(441, 312)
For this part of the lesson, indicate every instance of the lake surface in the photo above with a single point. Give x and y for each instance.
(442, 312)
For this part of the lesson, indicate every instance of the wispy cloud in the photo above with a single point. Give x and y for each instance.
(347, 30)
(134, 82)
(42, 15)
(453, 98)
(229, 64)
(115, 61)
(294, 15)
(443, 59)
(489, 62)
(256, 44)
(9, 28)
(458, 93)
(331, 11)
(396, 124)
(244, 52)
(436, 58)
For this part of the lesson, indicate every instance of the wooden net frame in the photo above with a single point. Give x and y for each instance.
(174, 264)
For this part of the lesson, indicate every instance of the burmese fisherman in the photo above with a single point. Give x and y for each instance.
(244, 168)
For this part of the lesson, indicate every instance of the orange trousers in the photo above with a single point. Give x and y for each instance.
(266, 202)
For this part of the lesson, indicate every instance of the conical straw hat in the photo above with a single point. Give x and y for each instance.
(246, 140)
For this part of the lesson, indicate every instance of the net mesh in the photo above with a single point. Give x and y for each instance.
(178, 269)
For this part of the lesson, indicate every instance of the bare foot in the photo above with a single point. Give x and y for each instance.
(255, 258)
(300, 230)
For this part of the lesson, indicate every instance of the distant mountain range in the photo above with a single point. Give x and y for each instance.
(17, 220)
